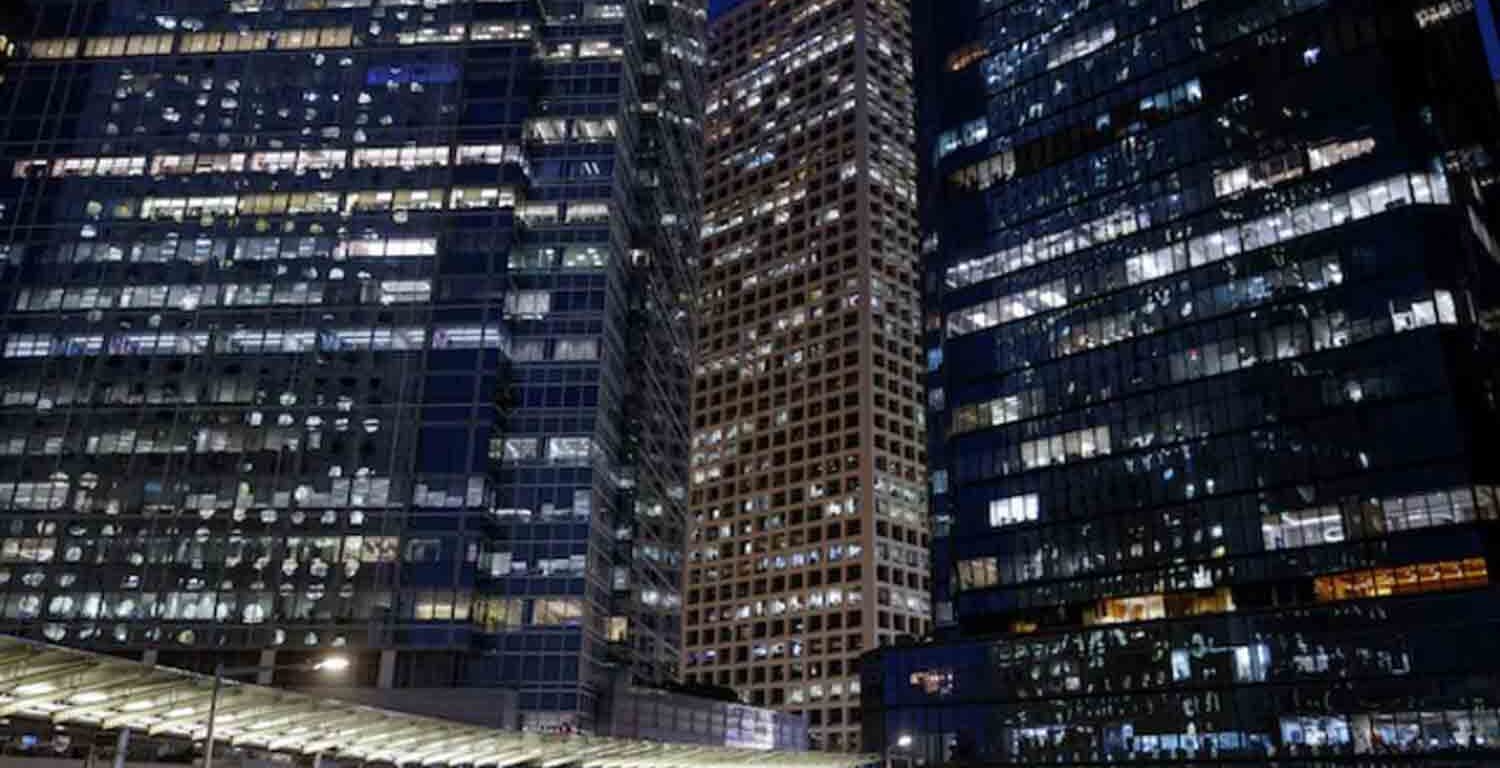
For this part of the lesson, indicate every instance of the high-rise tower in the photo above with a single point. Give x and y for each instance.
(1212, 385)
(808, 540)
(354, 325)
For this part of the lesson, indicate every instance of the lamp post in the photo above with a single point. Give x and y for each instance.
(330, 665)
(903, 743)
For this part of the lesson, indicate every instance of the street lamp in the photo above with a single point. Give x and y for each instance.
(330, 665)
(902, 745)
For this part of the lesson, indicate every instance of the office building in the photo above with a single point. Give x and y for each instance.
(678, 714)
(356, 327)
(808, 541)
(1211, 358)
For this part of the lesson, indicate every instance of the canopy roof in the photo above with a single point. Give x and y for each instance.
(70, 686)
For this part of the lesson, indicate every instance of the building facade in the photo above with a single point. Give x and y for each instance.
(808, 540)
(672, 715)
(352, 326)
(1210, 342)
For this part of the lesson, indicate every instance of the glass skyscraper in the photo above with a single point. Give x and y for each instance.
(1212, 385)
(351, 326)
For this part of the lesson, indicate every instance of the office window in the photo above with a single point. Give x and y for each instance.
(576, 349)
(496, 614)
(547, 612)
(569, 450)
(1014, 510)
(520, 448)
(1405, 580)
(978, 573)
(528, 304)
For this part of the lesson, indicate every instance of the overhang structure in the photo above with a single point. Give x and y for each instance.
(69, 686)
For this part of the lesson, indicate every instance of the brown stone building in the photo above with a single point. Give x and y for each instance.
(808, 544)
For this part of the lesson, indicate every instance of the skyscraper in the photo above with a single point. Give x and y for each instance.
(352, 326)
(1211, 289)
(808, 541)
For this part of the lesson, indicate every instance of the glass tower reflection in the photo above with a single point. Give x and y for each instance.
(1210, 347)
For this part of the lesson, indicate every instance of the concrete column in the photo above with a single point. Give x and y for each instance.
(387, 677)
(122, 746)
(149, 657)
(267, 660)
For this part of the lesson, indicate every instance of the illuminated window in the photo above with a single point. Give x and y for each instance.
(1302, 528)
(190, 207)
(500, 30)
(321, 159)
(24, 169)
(1080, 45)
(528, 304)
(587, 212)
(324, 37)
(441, 606)
(1071, 446)
(590, 49)
(519, 449)
(1122, 610)
(385, 248)
(482, 197)
(272, 162)
(468, 337)
(121, 166)
(394, 199)
(74, 166)
(500, 613)
(933, 682)
(538, 213)
(978, 573)
(995, 312)
(966, 55)
(104, 46)
(547, 130)
(997, 412)
(1404, 580)
(584, 257)
(576, 349)
(1014, 510)
(452, 33)
(54, 48)
(148, 45)
(569, 450)
(247, 40)
(619, 629)
(408, 157)
(594, 129)
(556, 612)
(489, 154)
(219, 163)
(201, 42)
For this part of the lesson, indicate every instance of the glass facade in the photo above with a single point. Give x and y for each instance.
(355, 325)
(1211, 289)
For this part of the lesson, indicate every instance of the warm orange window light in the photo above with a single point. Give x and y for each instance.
(1405, 580)
(1123, 610)
(967, 55)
